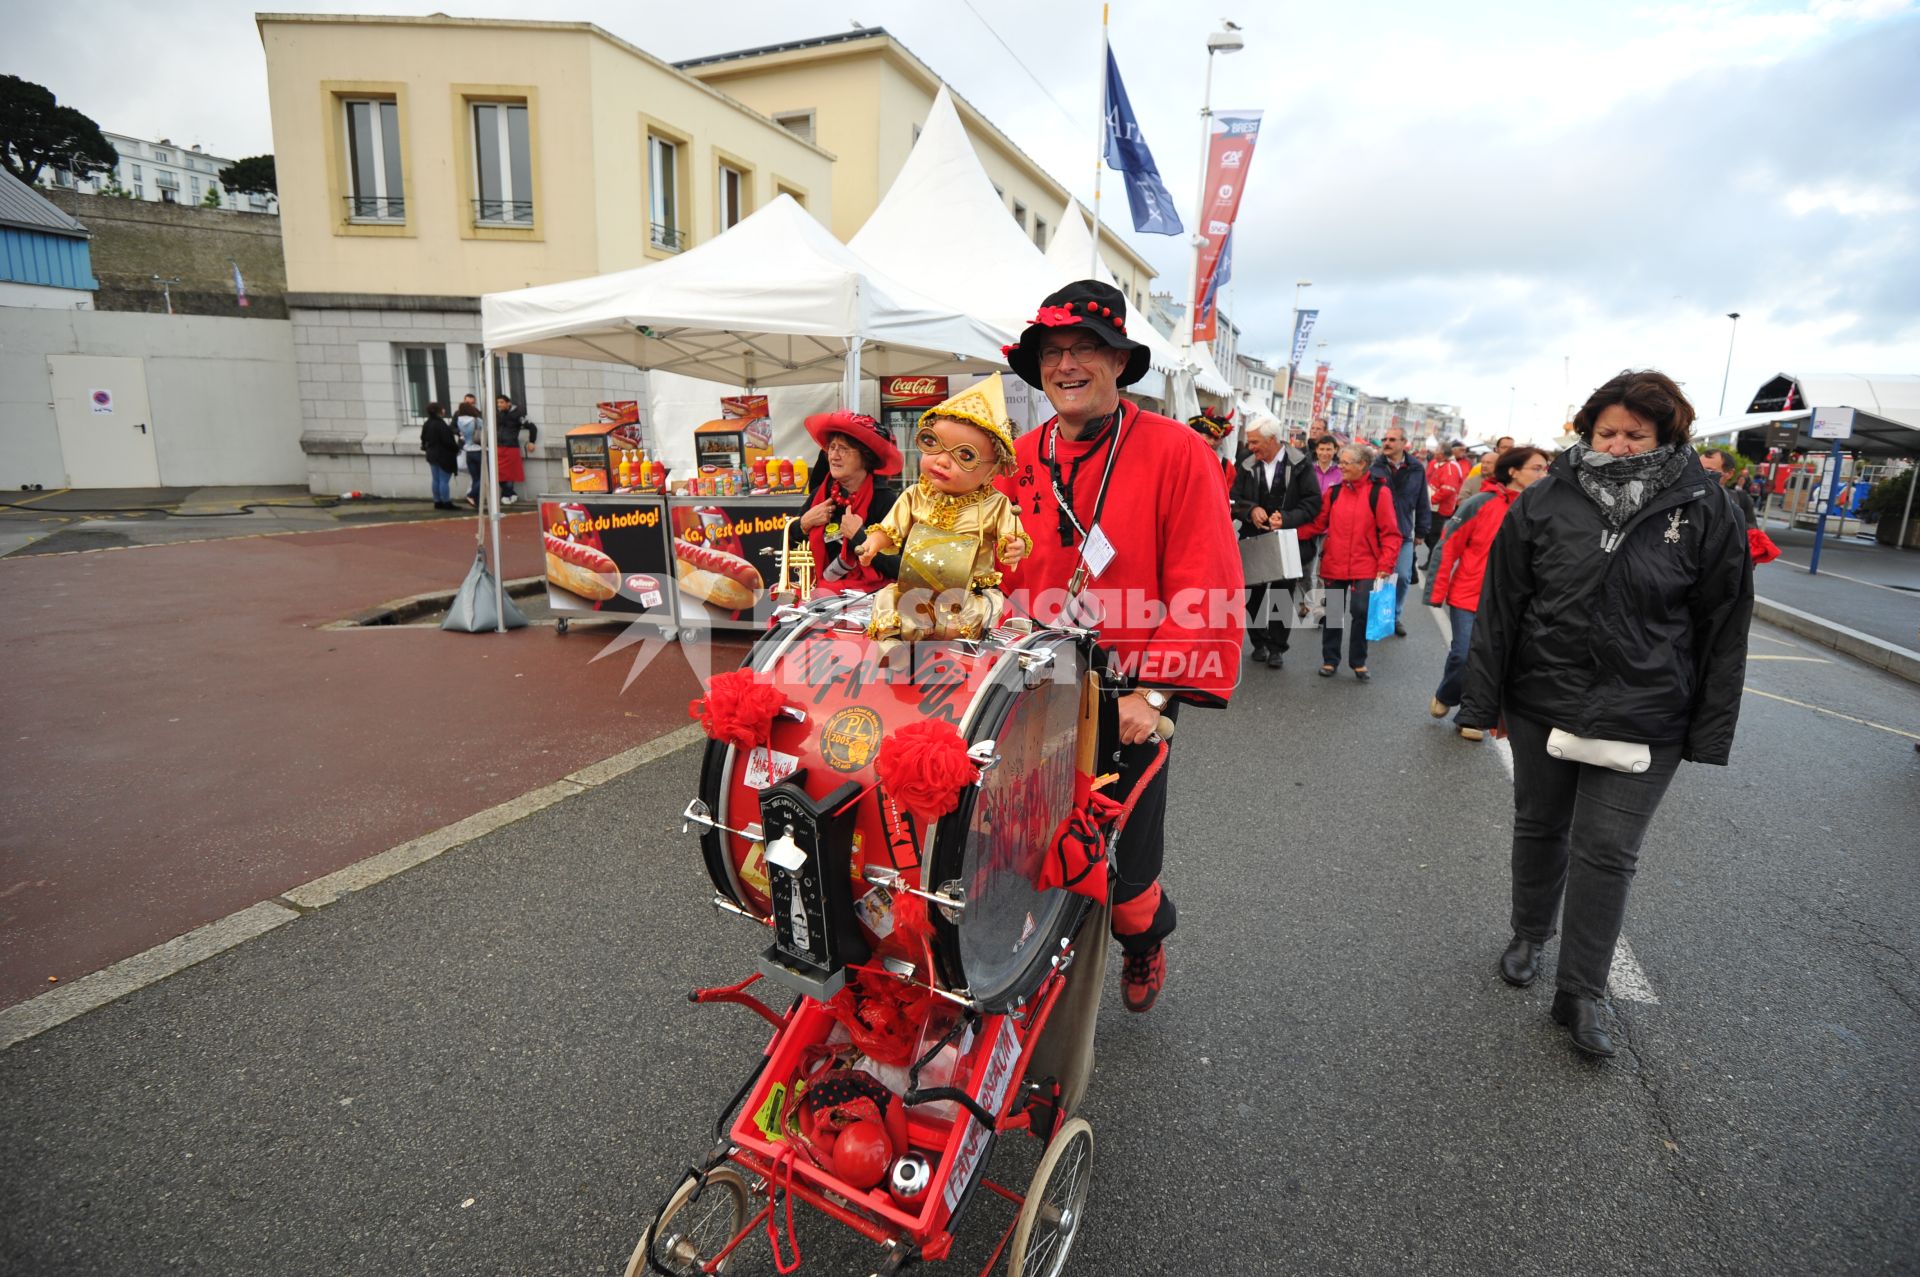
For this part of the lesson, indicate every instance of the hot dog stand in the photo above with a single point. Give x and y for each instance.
(678, 562)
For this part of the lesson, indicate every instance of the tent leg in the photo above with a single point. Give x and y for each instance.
(1913, 481)
(491, 411)
(850, 384)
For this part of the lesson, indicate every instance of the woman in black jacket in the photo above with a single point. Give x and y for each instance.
(442, 447)
(1611, 638)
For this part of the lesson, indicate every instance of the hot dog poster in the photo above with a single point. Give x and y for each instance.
(725, 555)
(608, 556)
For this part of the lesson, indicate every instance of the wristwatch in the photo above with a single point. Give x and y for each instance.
(1156, 699)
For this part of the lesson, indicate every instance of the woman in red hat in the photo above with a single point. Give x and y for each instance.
(847, 500)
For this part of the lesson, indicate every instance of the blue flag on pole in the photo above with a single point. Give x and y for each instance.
(1127, 154)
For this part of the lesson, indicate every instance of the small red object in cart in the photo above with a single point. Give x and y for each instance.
(861, 1154)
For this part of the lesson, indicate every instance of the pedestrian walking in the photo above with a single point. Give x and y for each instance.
(1358, 552)
(1445, 479)
(442, 447)
(1455, 583)
(1613, 646)
(509, 420)
(1273, 488)
(1407, 480)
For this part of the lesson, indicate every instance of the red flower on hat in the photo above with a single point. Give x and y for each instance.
(1006, 351)
(1056, 316)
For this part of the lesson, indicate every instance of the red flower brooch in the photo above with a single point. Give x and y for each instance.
(1056, 316)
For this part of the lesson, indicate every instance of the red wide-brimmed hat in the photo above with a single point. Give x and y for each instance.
(1099, 310)
(860, 428)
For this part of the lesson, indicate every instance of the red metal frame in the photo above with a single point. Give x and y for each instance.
(771, 1166)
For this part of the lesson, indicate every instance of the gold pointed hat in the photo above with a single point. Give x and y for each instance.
(983, 404)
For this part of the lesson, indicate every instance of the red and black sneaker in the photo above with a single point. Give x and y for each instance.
(1142, 975)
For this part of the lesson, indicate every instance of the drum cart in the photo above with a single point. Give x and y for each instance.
(1014, 974)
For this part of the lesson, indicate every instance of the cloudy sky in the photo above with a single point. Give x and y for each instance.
(1499, 204)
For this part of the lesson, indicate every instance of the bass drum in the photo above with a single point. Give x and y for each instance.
(1022, 694)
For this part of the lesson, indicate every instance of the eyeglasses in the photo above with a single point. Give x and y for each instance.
(1081, 351)
(964, 455)
(836, 444)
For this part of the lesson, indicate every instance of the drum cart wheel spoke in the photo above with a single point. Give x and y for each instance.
(1056, 1202)
(692, 1232)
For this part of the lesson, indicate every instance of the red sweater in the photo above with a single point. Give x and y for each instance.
(1171, 597)
(1463, 556)
(1363, 535)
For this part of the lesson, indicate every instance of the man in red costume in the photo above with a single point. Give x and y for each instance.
(1130, 537)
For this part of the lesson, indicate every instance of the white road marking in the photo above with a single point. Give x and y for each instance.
(1769, 656)
(1626, 980)
(1841, 577)
(1834, 713)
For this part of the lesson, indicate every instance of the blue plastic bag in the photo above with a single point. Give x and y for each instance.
(1380, 609)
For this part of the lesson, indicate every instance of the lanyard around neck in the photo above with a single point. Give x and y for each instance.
(1063, 495)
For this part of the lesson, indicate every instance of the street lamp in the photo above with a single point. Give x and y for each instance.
(166, 289)
(1226, 40)
(1734, 315)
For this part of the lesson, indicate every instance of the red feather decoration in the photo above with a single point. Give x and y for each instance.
(738, 708)
(924, 766)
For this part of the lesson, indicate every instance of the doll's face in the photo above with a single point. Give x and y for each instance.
(956, 457)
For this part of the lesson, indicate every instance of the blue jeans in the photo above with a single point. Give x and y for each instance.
(1455, 673)
(442, 484)
(1357, 593)
(1403, 568)
(1577, 831)
(474, 467)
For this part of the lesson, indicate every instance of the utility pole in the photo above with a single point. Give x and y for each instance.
(1734, 315)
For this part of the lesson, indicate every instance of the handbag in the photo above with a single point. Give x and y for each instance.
(1262, 559)
(1617, 755)
(1380, 609)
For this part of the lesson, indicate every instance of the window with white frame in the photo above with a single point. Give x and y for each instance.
(663, 194)
(164, 157)
(374, 189)
(422, 372)
(733, 196)
(502, 165)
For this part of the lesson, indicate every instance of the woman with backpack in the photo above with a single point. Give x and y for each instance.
(1358, 550)
(1613, 646)
(1455, 584)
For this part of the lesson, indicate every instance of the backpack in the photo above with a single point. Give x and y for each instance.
(1373, 497)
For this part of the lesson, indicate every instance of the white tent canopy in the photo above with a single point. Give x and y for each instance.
(1886, 410)
(775, 301)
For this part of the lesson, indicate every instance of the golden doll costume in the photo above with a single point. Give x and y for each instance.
(949, 544)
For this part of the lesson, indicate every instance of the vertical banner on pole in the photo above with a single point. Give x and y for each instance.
(1303, 321)
(1229, 154)
(1320, 389)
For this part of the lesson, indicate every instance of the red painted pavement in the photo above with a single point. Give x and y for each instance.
(182, 739)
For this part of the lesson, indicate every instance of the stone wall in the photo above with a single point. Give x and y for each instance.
(134, 240)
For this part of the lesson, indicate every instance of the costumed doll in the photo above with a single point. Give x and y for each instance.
(953, 530)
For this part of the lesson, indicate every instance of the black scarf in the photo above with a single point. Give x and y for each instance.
(1621, 486)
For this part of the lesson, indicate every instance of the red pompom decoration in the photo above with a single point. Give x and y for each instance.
(924, 766)
(738, 708)
(1761, 546)
(1007, 350)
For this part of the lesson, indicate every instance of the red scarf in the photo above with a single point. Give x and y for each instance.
(844, 503)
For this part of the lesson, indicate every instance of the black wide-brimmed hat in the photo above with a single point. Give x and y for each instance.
(1098, 309)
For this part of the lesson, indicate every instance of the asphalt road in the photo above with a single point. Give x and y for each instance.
(486, 1065)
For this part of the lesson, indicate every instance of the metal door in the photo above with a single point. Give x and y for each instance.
(106, 434)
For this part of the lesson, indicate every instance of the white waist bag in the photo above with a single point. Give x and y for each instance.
(1617, 755)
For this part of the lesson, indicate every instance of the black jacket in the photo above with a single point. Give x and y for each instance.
(509, 424)
(1409, 487)
(440, 444)
(1645, 641)
(1295, 493)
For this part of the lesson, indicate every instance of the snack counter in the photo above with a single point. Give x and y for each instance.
(675, 561)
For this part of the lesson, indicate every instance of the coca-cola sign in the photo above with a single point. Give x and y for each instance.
(912, 392)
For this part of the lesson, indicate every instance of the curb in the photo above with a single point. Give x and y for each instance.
(414, 606)
(1891, 657)
(129, 975)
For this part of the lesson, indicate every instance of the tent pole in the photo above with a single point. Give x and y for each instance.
(491, 412)
(850, 383)
(1913, 481)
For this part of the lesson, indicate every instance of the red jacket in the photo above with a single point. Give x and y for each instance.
(1463, 556)
(1362, 533)
(1445, 478)
(1171, 597)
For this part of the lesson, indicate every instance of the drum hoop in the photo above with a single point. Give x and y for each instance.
(718, 764)
(954, 826)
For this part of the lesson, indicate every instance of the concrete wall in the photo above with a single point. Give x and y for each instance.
(134, 240)
(220, 392)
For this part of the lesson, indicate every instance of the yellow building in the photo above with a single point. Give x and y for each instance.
(425, 161)
(863, 95)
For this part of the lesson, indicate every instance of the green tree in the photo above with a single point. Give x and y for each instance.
(37, 132)
(212, 198)
(251, 176)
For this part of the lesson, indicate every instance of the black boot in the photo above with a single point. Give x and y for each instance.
(1519, 964)
(1581, 1016)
